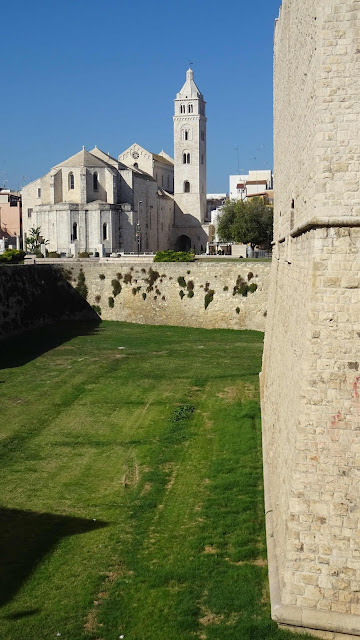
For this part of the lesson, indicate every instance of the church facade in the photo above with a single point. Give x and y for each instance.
(140, 202)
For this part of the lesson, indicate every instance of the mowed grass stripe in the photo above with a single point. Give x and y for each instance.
(124, 518)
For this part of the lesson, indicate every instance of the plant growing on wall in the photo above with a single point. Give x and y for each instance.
(116, 287)
(209, 297)
(35, 239)
(152, 277)
(181, 281)
(81, 287)
(111, 302)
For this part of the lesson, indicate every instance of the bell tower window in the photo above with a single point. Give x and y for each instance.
(186, 157)
(104, 231)
(182, 108)
(190, 108)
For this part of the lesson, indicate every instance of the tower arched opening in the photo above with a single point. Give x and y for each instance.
(183, 243)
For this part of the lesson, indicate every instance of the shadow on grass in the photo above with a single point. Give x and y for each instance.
(23, 348)
(26, 538)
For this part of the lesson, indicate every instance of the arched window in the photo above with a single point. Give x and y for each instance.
(71, 181)
(182, 108)
(186, 157)
(74, 230)
(186, 186)
(95, 181)
(190, 108)
(104, 231)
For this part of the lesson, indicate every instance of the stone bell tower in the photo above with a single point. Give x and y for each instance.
(190, 151)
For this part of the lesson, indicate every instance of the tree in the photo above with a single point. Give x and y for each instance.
(35, 240)
(250, 222)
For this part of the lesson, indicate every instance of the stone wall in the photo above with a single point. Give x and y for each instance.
(310, 383)
(150, 292)
(32, 296)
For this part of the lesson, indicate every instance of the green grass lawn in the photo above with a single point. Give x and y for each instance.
(131, 482)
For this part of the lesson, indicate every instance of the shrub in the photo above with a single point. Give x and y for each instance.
(191, 294)
(102, 276)
(97, 298)
(237, 310)
(209, 297)
(181, 294)
(143, 296)
(53, 254)
(119, 276)
(181, 281)
(158, 292)
(67, 273)
(84, 254)
(250, 275)
(127, 278)
(253, 287)
(96, 308)
(38, 254)
(174, 256)
(226, 288)
(81, 287)
(116, 287)
(111, 302)
(190, 285)
(207, 286)
(188, 272)
(13, 256)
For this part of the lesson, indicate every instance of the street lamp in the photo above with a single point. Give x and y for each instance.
(138, 227)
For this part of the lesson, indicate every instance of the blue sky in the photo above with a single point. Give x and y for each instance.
(80, 72)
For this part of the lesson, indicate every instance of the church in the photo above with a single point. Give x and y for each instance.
(140, 202)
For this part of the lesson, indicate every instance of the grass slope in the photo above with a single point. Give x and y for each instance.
(131, 486)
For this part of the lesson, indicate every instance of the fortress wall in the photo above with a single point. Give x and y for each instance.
(310, 381)
(32, 297)
(36, 295)
(163, 304)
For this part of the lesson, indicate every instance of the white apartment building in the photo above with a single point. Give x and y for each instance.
(254, 183)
